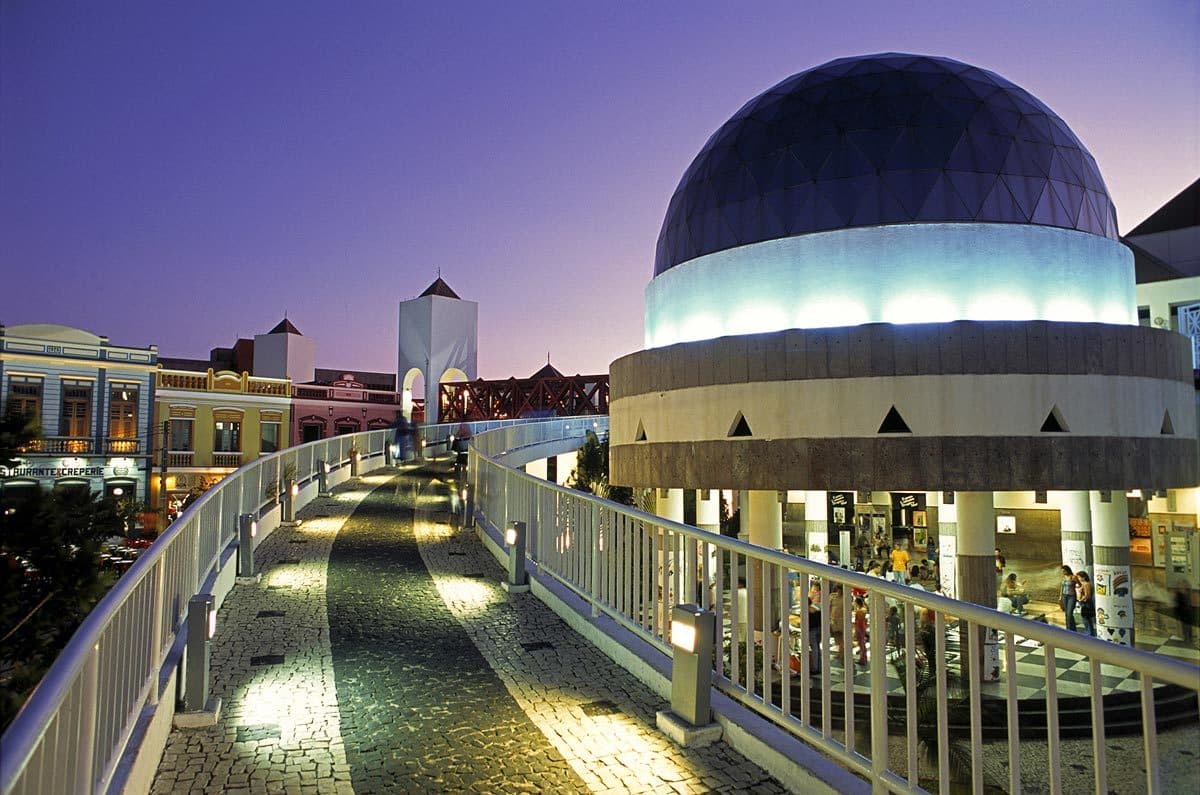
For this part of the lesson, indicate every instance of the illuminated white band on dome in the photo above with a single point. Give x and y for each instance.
(904, 273)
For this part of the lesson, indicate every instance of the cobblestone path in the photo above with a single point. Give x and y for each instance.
(421, 709)
(444, 682)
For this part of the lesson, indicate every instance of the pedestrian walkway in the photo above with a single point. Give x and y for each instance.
(379, 653)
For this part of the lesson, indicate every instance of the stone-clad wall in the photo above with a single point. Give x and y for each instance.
(674, 381)
(882, 349)
(961, 463)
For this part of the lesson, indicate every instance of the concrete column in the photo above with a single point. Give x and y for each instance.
(708, 510)
(976, 563)
(948, 546)
(816, 525)
(1111, 575)
(708, 517)
(1075, 513)
(669, 504)
(762, 518)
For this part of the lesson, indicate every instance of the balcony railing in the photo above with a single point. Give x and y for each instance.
(180, 458)
(61, 445)
(123, 446)
(233, 460)
(228, 382)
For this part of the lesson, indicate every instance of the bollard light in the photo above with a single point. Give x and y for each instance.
(322, 479)
(289, 503)
(514, 539)
(389, 454)
(247, 530)
(692, 629)
(201, 626)
(354, 459)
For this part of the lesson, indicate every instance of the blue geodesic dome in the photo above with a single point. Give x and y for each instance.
(883, 139)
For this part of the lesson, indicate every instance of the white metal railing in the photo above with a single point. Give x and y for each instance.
(74, 728)
(634, 566)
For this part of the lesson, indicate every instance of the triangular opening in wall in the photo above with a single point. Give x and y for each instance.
(1054, 422)
(740, 427)
(1168, 427)
(640, 436)
(893, 423)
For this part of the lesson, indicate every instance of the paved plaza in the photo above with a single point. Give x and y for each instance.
(379, 653)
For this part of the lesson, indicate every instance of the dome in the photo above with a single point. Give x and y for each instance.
(883, 139)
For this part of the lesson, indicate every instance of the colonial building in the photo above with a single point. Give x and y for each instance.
(92, 402)
(213, 422)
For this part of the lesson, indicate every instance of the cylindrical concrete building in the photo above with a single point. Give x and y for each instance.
(899, 273)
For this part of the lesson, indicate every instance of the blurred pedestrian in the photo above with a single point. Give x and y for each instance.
(1066, 598)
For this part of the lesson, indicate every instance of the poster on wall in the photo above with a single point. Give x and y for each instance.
(1141, 551)
(947, 558)
(841, 508)
(1006, 524)
(1074, 554)
(1114, 604)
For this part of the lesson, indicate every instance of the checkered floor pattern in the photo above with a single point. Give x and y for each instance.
(1073, 671)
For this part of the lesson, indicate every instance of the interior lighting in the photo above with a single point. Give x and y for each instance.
(920, 308)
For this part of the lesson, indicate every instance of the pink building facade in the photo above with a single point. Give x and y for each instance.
(343, 406)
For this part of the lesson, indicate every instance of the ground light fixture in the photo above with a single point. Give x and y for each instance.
(322, 479)
(514, 539)
(288, 508)
(689, 721)
(247, 530)
(199, 709)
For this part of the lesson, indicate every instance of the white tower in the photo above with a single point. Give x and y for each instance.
(439, 340)
(283, 352)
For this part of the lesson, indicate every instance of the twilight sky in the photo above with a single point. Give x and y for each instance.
(182, 173)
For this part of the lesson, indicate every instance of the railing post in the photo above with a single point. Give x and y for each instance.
(89, 697)
(596, 551)
(156, 617)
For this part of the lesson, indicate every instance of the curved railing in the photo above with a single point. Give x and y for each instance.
(73, 730)
(78, 723)
(633, 567)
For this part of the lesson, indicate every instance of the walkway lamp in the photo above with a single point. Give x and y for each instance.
(322, 479)
(247, 530)
(689, 721)
(198, 708)
(514, 539)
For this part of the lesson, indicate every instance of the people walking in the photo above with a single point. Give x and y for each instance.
(1087, 601)
(1067, 597)
(860, 629)
(899, 564)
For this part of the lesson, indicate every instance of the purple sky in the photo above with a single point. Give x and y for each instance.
(182, 173)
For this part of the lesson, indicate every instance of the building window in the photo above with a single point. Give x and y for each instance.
(227, 437)
(25, 396)
(311, 432)
(75, 419)
(123, 411)
(270, 437)
(181, 435)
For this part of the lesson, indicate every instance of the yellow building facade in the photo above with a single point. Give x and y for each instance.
(207, 425)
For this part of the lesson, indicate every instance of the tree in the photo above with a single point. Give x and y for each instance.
(50, 575)
(17, 432)
(591, 472)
